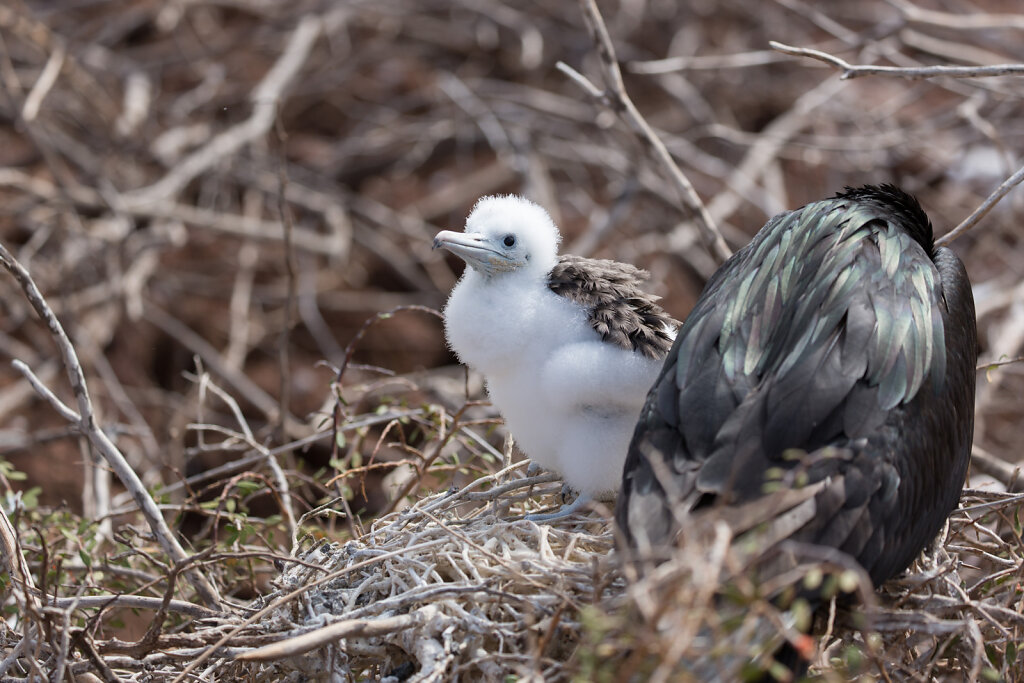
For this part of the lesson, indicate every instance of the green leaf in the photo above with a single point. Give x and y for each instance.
(246, 487)
(813, 578)
(854, 657)
(848, 581)
(30, 498)
(802, 614)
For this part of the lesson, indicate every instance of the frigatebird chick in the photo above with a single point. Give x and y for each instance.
(834, 357)
(568, 346)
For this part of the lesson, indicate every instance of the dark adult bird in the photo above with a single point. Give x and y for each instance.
(569, 346)
(834, 354)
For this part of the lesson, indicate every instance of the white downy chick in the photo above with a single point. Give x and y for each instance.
(568, 346)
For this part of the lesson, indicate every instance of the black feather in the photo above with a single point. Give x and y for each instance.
(842, 332)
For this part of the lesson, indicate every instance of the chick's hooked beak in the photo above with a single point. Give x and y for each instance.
(481, 254)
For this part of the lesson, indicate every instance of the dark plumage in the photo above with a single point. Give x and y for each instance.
(617, 308)
(838, 349)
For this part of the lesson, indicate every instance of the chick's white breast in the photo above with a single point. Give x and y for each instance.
(501, 328)
(510, 334)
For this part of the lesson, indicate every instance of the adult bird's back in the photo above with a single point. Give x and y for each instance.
(833, 355)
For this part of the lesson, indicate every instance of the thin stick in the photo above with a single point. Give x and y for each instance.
(983, 210)
(1009, 474)
(44, 392)
(247, 437)
(289, 302)
(615, 97)
(349, 628)
(86, 423)
(669, 65)
(45, 83)
(212, 357)
(958, 21)
(858, 70)
(133, 602)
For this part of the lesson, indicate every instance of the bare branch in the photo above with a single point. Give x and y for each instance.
(133, 602)
(99, 440)
(858, 70)
(669, 65)
(358, 628)
(618, 100)
(978, 20)
(983, 210)
(45, 83)
(44, 392)
(1009, 474)
(290, 267)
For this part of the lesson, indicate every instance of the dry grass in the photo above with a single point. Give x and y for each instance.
(213, 197)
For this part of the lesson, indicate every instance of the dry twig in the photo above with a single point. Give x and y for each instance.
(85, 420)
(616, 97)
(859, 70)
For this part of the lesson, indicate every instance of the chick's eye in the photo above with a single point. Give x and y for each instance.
(509, 241)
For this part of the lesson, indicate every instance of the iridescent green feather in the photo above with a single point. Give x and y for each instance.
(921, 358)
(890, 248)
(906, 344)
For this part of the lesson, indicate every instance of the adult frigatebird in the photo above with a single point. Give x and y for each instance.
(834, 354)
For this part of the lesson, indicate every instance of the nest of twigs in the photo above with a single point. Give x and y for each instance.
(440, 593)
(460, 586)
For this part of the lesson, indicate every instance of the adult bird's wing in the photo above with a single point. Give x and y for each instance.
(837, 347)
(617, 308)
